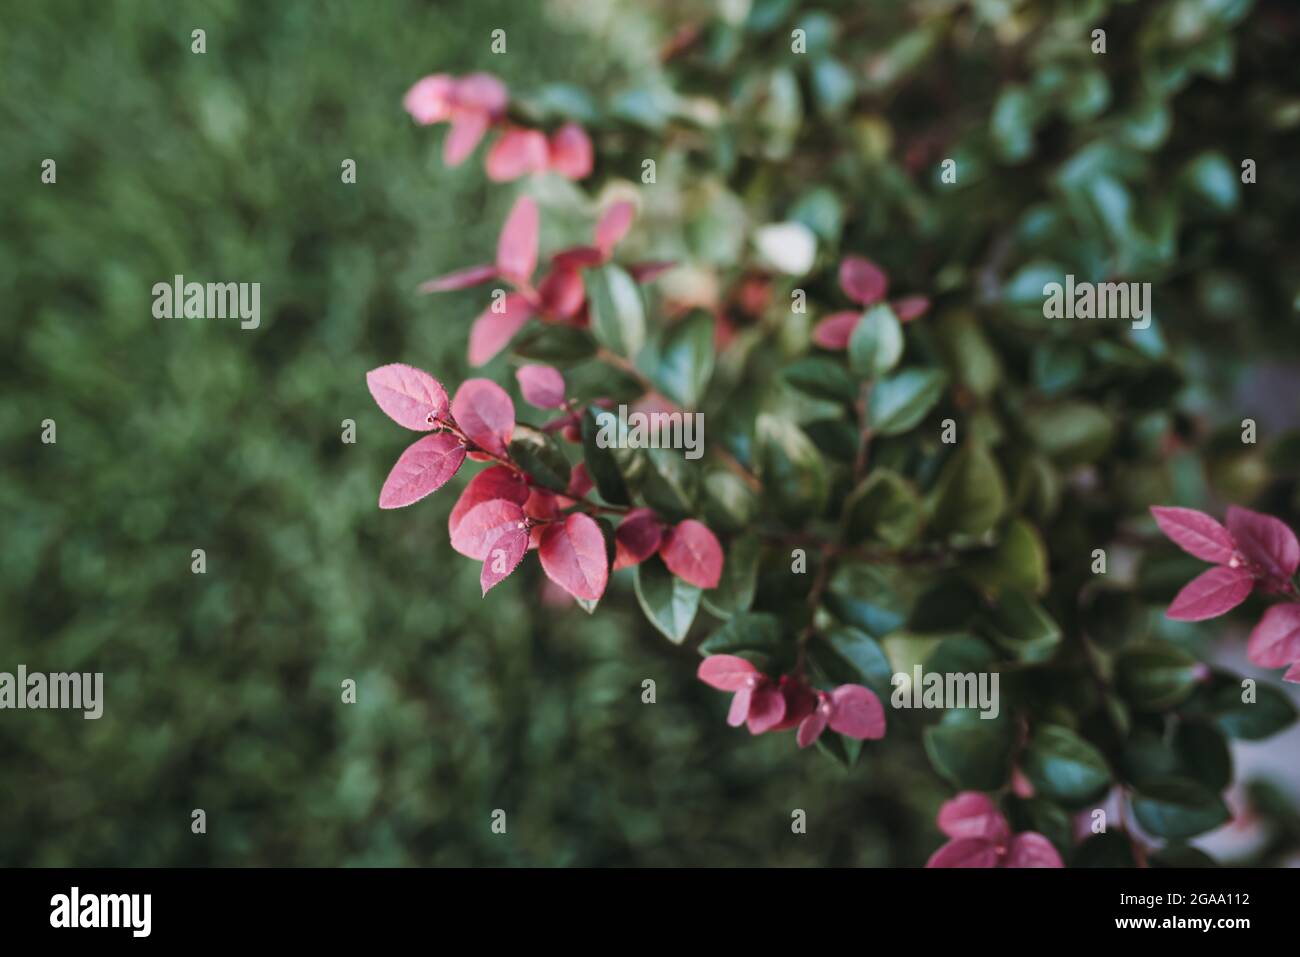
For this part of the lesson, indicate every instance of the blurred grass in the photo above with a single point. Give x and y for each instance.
(222, 690)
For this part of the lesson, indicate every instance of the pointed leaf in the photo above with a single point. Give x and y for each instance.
(972, 814)
(410, 397)
(1196, 533)
(517, 247)
(668, 602)
(835, 331)
(857, 713)
(862, 280)
(480, 526)
(517, 153)
(637, 538)
(876, 343)
(504, 555)
(493, 330)
(425, 466)
(693, 553)
(492, 483)
(484, 412)
(1265, 541)
(1211, 593)
(613, 226)
(541, 386)
(571, 154)
(617, 310)
(726, 672)
(573, 556)
(461, 279)
(1275, 642)
(900, 402)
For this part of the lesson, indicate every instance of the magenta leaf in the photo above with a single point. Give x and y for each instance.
(424, 467)
(484, 412)
(461, 279)
(561, 292)
(966, 852)
(862, 280)
(1211, 593)
(580, 482)
(573, 556)
(613, 226)
(637, 537)
(1275, 641)
(430, 99)
(504, 555)
(766, 708)
(578, 257)
(480, 526)
(517, 153)
(1196, 533)
(910, 307)
(1293, 674)
(495, 482)
(726, 672)
(541, 386)
(1031, 849)
(811, 728)
(467, 129)
(409, 396)
(857, 713)
(571, 154)
(492, 330)
(1265, 541)
(517, 246)
(739, 709)
(650, 271)
(692, 553)
(482, 92)
(834, 331)
(972, 814)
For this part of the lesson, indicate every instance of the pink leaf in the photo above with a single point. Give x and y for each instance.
(1031, 849)
(811, 728)
(578, 257)
(1196, 533)
(972, 814)
(493, 330)
(571, 152)
(485, 414)
(910, 307)
(649, 271)
(541, 386)
(862, 280)
(579, 481)
(739, 709)
(516, 153)
(517, 246)
(504, 555)
(857, 713)
(495, 482)
(693, 554)
(766, 708)
(1266, 541)
(561, 292)
(1275, 642)
(613, 226)
(834, 331)
(965, 852)
(726, 672)
(467, 128)
(541, 505)
(461, 279)
(1211, 593)
(482, 92)
(637, 537)
(573, 556)
(430, 99)
(410, 397)
(480, 526)
(1293, 674)
(424, 467)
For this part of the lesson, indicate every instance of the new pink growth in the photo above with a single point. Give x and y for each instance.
(981, 837)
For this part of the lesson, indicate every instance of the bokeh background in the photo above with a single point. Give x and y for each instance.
(223, 690)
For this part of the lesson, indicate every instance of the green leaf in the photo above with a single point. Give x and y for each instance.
(859, 595)
(1155, 676)
(961, 654)
(849, 656)
(1111, 849)
(1064, 767)
(971, 752)
(685, 359)
(670, 483)
(876, 344)
(833, 86)
(759, 633)
(540, 456)
(884, 507)
(735, 591)
(667, 601)
(791, 469)
(554, 344)
(970, 495)
(1022, 627)
(603, 463)
(1176, 809)
(900, 402)
(821, 378)
(617, 310)
(971, 360)
(1019, 560)
(1203, 754)
(1071, 433)
(729, 504)
(1269, 712)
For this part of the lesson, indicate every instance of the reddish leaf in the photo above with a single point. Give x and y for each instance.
(739, 709)
(1196, 533)
(579, 481)
(966, 852)
(467, 128)
(424, 467)
(1293, 674)
(1211, 593)
(482, 92)
(485, 414)
(862, 280)
(578, 257)
(503, 557)
(517, 246)
(541, 386)
(480, 526)
(1266, 541)
(571, 152)
(410, 397)
(766, 708)
(561, 292)
(542, 505)
(492, 330)
(726, 672)
(613, 226)
(495, 482)
(857, 713)
(430, 99)
(811, 728)
(834, 331)
(637, 538)
(1275, 642)
(1031, 849)
(972, 814)
(910, 307)
(461, 279)
(649, 271)
(573, 556)
(693, 554)
(516, 153)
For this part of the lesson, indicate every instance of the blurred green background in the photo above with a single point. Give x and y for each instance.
(223, 690)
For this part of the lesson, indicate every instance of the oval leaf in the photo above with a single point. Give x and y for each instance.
(425, 466)
(409, 396)
(573, 556)
(484, 412)
(693, 553)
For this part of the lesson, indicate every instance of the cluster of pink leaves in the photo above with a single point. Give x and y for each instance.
(767, 705)
(502, 515)
(866, 284)
(980, 836)
(561, 295)
(476, 103)
(1255, 552)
